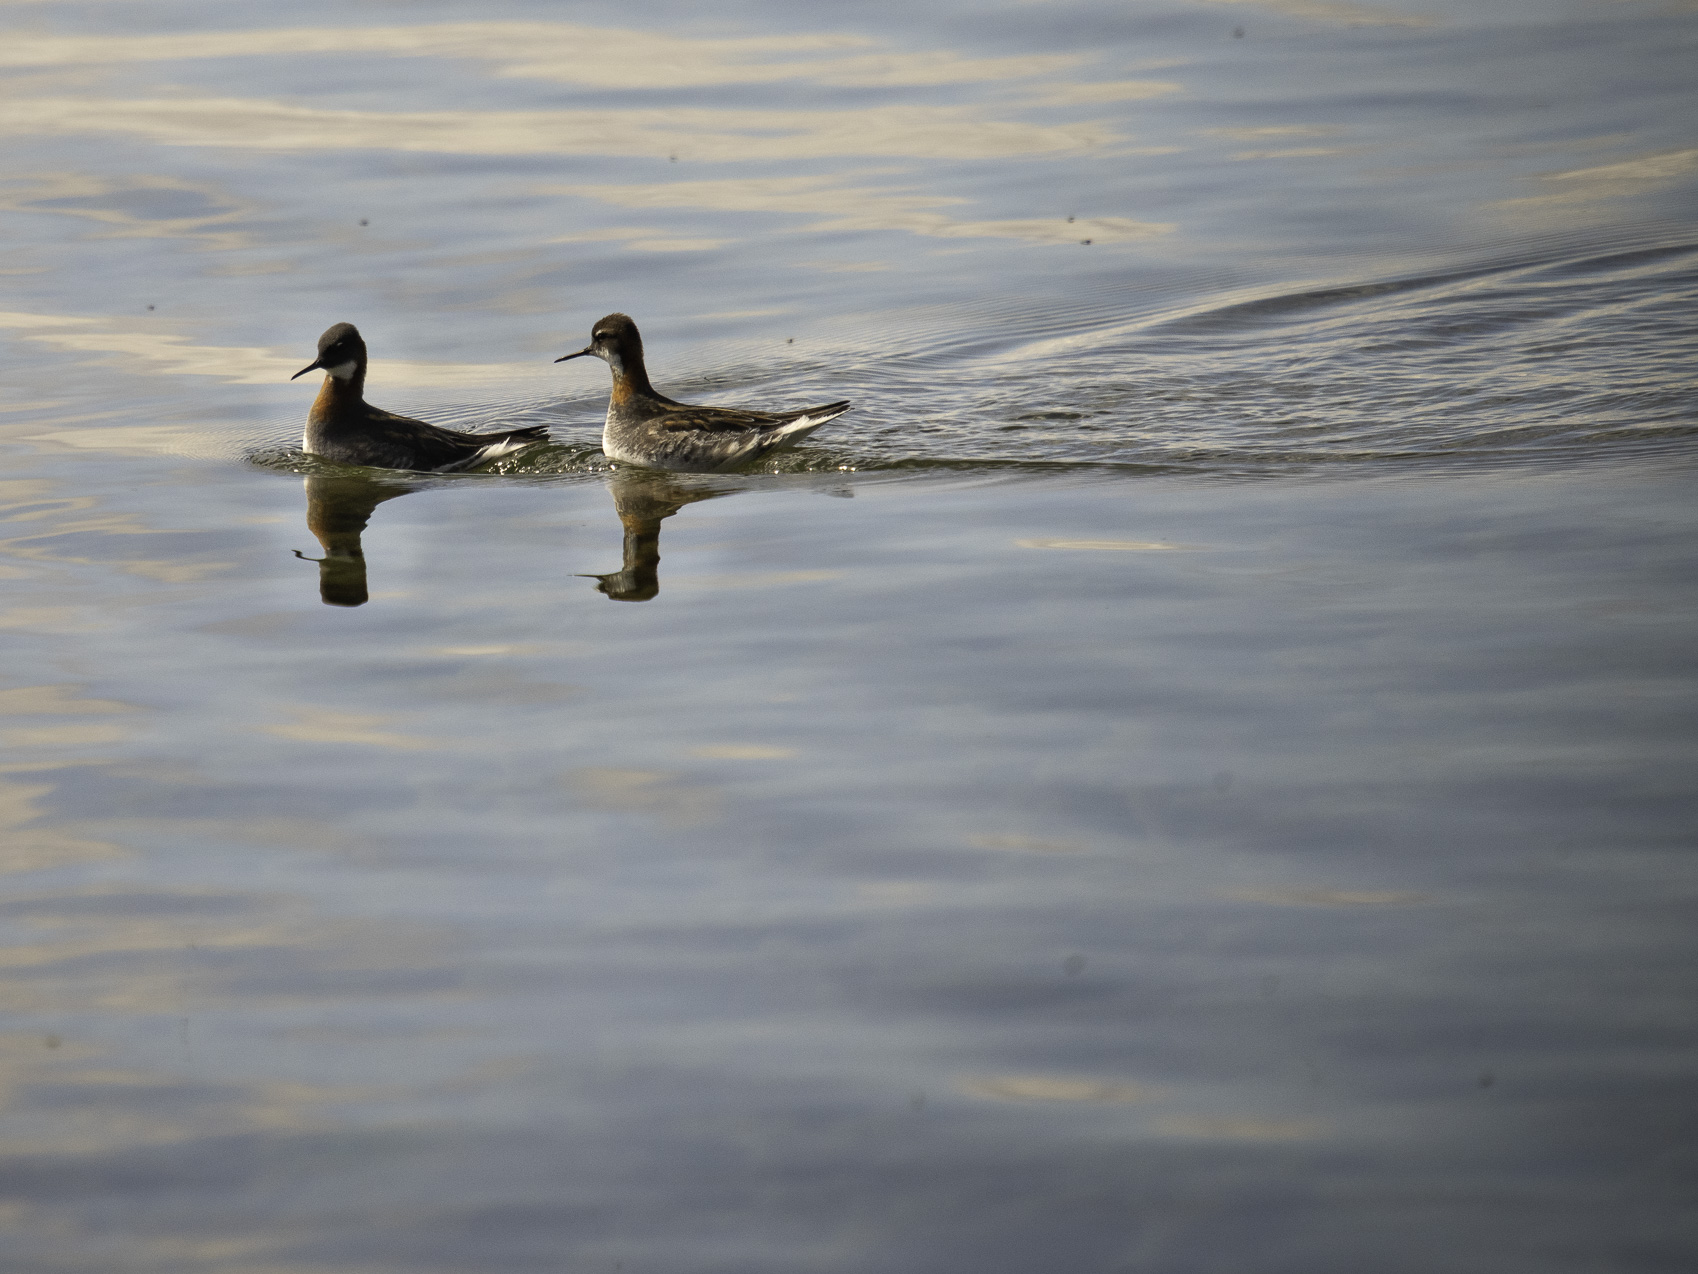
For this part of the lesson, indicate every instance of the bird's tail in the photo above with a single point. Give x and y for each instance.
(805, 422)
(511, 440)
(500, 444)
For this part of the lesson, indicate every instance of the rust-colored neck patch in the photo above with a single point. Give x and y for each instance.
(338, 397)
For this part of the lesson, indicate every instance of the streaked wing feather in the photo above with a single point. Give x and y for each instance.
(724, 420)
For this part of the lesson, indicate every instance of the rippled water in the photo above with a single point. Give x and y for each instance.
(1193, 773)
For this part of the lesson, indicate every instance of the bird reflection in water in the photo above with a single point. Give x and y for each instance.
(644, 498)
(338, 508)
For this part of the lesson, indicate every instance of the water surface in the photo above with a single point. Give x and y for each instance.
(1193, 773)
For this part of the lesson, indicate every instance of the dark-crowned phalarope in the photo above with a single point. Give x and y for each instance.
(645, 428)
(344, 427)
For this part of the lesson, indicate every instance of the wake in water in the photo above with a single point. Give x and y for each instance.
(1580, 358)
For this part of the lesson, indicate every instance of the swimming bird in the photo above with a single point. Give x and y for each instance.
(647, 428)
(344, 427)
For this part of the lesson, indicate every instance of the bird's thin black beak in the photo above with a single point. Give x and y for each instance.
(319, 362)
(588, 349)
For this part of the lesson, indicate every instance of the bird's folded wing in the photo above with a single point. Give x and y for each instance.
(720, 421)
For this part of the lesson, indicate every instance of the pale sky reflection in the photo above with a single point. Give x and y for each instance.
(860, 208)
(1098, 93)
(1275, 130)
(1291, 152)
(1240, 1128)
(657, 792)
(642, 239)
(62, 736)
(1611, 181)
(83, 1120)
(754, 579)
(143, 206)
(152, 350)
(600, 57)
(1321, 897)
(1336, 11)
(1046, 1088)
(900, 131)
(85, 952)
(1024, 844)
(47, 541)
(28, 843)
(360, 729)
(59, 700)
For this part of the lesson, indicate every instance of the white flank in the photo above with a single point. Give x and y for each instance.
(488, 452)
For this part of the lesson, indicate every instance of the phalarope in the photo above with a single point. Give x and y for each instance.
(344, 427)
(646, 428)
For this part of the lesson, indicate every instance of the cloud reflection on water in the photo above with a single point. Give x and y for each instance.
(61, 736)
(60, 700)
(1343, 12)
(1046, 1088)
(1240, 1128)
(73, 531)
(1621, 180)
(136, 206)
(142, 343)
(731, 1013)
(1096, 93)
(845, 207)
(699, 134)
(642, 239)
(598, 57)
(27, 843)
(162, 960)
(676, 802)
(314, 724)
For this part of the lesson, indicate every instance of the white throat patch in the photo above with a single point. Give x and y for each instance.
(343, 371)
